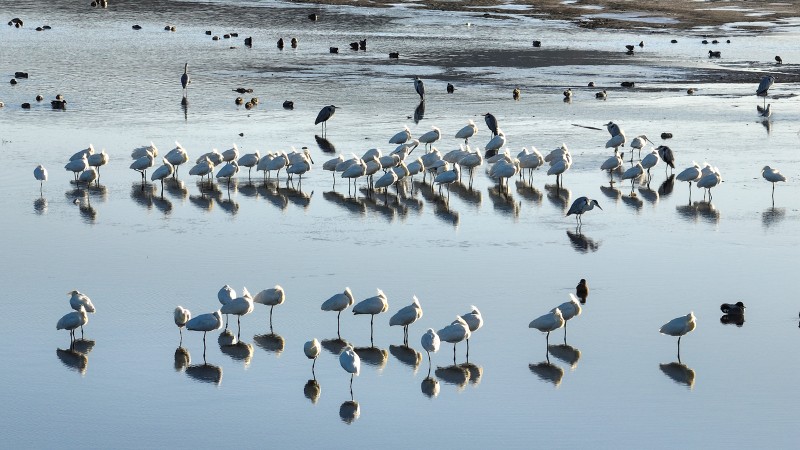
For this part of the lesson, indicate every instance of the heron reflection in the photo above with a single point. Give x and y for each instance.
(582, 243)
(324, 144)
(679, 373)
(665, 189)
(419, 112)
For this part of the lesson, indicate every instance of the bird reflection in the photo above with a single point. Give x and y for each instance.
(185, 108)
(74, 360)
(249, 190)
(239, 351)
(271, 342)
(547, 371)
(373, 356)
(772, 216)
(707, 211)
(528, 192)
(430, 387)
(503, 201)
(611, 192)
(767, 124)
(162, 204)
(732, 319)
(475, 373)
(633, 201)
(272, 193)
(97, 191)
(558, 196)
(456, 375)
(465, 193)
(324, 144)
(312, 390)
(442, 211)
(406, 355)
(349, 411)
(229, 206)
(582, 243)
(182, 359)
(205, 373)
(565, 353)
(665, 190)
(648, 194)
(82, 345)
(88, 213)
(298, 197)
(354, 205)
(142, 194)
(679, 373)
(176, 188)
(335, 346)
(40, 205)
(419, 112)
(203, 202)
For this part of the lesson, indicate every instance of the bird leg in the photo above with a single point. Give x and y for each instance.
(270, 318)
(372, 318)
(454, 354)
(312, 368)
(468, 350)
(351, 387)
(338, 316)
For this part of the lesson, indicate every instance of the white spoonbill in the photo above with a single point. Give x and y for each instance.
(401, 137)
(214, 156)
(205, 323)
(474, 321)
(387, 179)
(690, 174)
(403, 150)
(271, 297)
(77, 166)
(330, 165)
(639, 142)
(142, 164)
(176, 157)
(231, 154)
(229, 170)
(225, 295)
(773, 176)
(580, 206)
(165, 171)
(81, 153)
(240, 306)
(203, 168)
(632, 173)
(350, 362)
(372, 305)
(470, 161)
(467, 132)
(40, 173)
(78, 300)
(88, 176)
(548, 322)
(530, 159)
(138, 152)
(354, 172)
(612, 163)
(97, 160)
(455, 333)
(277, 163)
(650, 160)
(181, 315)
(709, 181)
(447, 177)
(338, 302)
(312, 350)
(617, 141)
(300, 165)
(430, 137)
(72, 321)
(430, 342)
(495, 144)
(504, 170)
(678, 327)
(407, 315)
(559, 167)
(569, 309)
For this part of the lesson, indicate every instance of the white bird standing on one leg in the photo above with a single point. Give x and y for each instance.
(312, 349)
(678, 327)
(430, 342)
(350, 362)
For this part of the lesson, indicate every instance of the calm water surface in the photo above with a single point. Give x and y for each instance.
(650, 255)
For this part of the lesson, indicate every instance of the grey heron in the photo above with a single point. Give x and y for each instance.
(419, 86)
(491, 122)
(185, 78)
(763, 86)
(580, 206)
(323, 116)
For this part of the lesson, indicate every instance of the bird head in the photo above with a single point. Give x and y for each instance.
(73, 292)
(594, 202)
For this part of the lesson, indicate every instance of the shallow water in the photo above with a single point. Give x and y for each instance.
(648, 257)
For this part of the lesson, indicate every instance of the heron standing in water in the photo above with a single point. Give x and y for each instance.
(419, 86)
(185, 78)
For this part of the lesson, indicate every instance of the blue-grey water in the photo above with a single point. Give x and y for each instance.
(648, 256)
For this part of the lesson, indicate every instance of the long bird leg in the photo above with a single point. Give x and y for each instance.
(270, 318)
(454, 354)
(467, 350)
(312, 368)
(204, 345)
(371, 319)
(547, 339)
(679, 347)
(338, 316)
(351, 387)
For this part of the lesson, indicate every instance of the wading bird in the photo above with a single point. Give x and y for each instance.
(678, 327)
(580, 206)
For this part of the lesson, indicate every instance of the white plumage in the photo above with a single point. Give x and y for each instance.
(401, 137)
(467, 132)
(78, 300)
